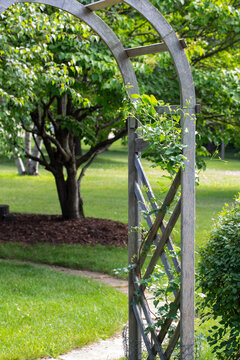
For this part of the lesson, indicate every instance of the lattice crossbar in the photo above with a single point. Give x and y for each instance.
(161, 241)
(159, 217)
(149, 220)
(153, 203)
(160, 246)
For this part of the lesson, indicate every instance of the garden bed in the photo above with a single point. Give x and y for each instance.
(51, 229)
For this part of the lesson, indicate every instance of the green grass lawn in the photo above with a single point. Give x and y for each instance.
(45, 313)
(105, 196)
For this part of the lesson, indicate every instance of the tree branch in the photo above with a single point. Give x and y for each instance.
(214, 52)
(99, 146)
(56, 126)
(82, 173)
(41, 161)
(57, 144)
(39, 149)
(86, 112)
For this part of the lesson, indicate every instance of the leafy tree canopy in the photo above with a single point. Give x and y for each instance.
(60, 82)
(211, 29)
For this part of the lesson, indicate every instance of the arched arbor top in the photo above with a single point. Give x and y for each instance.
(186, 206)
(170, 43)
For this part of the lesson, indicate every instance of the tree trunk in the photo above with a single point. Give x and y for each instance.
(34, 165)
(78, 146)
(68, 194)
(20, 165)
(28, 149)
(18, 160)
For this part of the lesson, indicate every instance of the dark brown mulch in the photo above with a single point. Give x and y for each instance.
(32, 229)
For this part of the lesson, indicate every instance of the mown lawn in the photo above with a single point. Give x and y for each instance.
(105, 195)
(45, 313)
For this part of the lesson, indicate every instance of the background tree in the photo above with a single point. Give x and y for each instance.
(211, 31)
(58, 83)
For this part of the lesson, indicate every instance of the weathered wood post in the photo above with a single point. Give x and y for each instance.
(188, 237)
(134, 220)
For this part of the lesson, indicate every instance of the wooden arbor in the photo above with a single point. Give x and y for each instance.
(186, 179)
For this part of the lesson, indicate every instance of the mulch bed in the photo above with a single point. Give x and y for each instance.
(51, 229)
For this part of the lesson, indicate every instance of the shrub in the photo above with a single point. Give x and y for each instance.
(219, 279)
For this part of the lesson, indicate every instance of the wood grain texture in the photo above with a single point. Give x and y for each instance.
(134, 239)
(146, 50)
(149, 220)
(173, 342)
(175, 48)
(187, 95)
(163, 239)
(151, 49)
(169, 320)
(154, 206)
(159, 218)
(187, 239)
(146, 340)
(140, 145)
(157, 348)
(99, 5)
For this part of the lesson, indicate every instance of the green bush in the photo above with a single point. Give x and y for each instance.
(219, 279)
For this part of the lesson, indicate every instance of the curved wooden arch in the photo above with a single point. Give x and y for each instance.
(98, 25)
(163, 28)
(188, 103)
(147, 10)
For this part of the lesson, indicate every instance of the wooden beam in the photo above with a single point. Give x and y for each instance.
(168, 109)
(187, 238)
(145, 337)
(167, 323)
(173, 342)
(164, 238)
(102, 4)
(141, 145)
(157, 348)
(134, 239)
(145, 50)
(159, 218)
(169, 318)
(154, 206)
(151, 49)
(149, 220)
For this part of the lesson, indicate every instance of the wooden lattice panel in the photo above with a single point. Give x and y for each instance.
(158, 234)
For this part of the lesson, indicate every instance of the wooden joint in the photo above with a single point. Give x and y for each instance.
(102, 4)
(140, 145)
(197, 108)
(146, 50)
(183, 43)
(132, 123)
